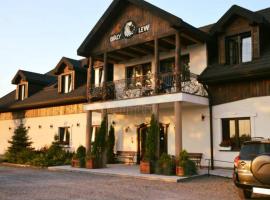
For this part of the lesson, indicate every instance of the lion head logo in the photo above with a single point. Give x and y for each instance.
(129, 29)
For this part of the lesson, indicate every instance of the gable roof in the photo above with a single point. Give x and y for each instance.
(266, 13)
(32, 77)
(217, 73)
(47, 94)
(116, 7)
(72, 64)
(253, 17)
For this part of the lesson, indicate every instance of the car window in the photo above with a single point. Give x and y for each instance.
(250, 151)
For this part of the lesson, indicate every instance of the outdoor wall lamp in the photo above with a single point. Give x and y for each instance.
(127, 129)
(78, 124)
(39, 126)
(51, 126)
(28, 127)
(9, 128)
(203, 117)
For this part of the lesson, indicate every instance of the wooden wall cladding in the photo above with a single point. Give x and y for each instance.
(236, 26)
(141, 17)
(43, 112)
(229, 92)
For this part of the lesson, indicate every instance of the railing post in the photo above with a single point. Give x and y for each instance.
(105, 72)
(89, 78)
(88, 112)
(178, 61)
(156, 67)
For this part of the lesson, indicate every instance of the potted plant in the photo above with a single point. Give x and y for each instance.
(183, 157)
(165, 165)
(78, 159)
(186, 167)
(225, 145)
(89, 161)
(148, 162)
(75, 161)
(145, 166)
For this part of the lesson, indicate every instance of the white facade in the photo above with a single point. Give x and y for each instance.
(41, 130)
(195, 130)
(257, 109)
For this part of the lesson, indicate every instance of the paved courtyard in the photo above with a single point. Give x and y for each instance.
(37, 184)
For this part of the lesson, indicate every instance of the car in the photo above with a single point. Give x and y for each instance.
(252, 167)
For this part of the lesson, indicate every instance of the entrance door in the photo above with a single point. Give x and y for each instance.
(143, 134)
(163, 133)
(141, 140)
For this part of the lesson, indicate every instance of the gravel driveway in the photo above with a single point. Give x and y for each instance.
(37, 184)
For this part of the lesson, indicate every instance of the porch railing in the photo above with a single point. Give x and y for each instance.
(147, 85)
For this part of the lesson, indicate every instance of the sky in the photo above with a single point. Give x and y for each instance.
(35, 34)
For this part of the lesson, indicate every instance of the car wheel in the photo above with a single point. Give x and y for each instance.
(247, 193)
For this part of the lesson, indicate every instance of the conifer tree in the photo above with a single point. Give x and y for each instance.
(111, 143)
(20, 140)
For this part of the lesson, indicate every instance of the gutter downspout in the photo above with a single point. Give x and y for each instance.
(211, 127)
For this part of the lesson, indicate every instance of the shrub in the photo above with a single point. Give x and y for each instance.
(166, 165)
(151, 140)
(190, 168)
(80, 155)
(20, 149)
(110, 145)
(99, 145)
(188, 165)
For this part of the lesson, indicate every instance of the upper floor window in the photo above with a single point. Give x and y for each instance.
(239, 48)
(66, 85)
(21, 92)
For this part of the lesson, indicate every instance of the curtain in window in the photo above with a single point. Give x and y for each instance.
(246, 49)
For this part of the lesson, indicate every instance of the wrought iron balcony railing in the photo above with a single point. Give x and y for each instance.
(147, 85)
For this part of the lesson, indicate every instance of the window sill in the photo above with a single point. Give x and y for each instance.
(229, 150)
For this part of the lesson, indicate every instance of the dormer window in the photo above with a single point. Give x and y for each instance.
(66, 83)
(239, 49)
(21, 92)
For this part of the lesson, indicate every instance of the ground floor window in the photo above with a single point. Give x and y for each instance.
(64, 136)
(235, 131)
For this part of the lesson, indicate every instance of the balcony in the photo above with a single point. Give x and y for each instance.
(148, 85)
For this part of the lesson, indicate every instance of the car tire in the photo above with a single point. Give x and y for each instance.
(247, 193)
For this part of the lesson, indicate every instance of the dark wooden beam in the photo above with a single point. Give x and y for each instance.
(128, 53)
(142, 49)
(120, 55)
(170, 41)
(193, 40)
(150, 44)
(136, 51)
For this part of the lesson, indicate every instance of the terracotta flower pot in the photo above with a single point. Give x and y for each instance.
(75, 163)
(180, 171)
(90, 164)
(145, 167)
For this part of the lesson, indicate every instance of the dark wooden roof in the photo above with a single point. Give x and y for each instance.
(32, 77)
(235, 10)
(258, 68)
(47, 94)
(76, 65)
(266, 13)
(116, 7)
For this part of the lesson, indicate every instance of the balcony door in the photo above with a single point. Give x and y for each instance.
(139, 76)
